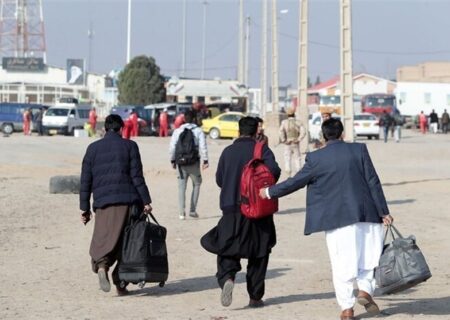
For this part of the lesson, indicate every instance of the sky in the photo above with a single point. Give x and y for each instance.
(386, 35)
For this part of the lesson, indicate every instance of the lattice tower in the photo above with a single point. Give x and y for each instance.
(22, 32)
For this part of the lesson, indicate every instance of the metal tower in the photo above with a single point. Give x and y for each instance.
(22, 31)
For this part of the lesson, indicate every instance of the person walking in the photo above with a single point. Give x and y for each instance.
(386, 122)
(164, 124)
(39, 116)
(291, 132)
(423, 122)
(134, 124)
(179, 120)
(445, 119)
(26, 116)
(93, 121)
(112, 172)
(190, 168)
(346, 201)
(236, 237)
(434, 120)
(397, 123)
(260, 136)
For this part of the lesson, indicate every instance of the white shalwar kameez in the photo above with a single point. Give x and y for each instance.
(354, 253)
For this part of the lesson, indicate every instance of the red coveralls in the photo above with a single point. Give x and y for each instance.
(179, 120)
(26, 123)
(93, 120)
(134, 124)
(423, 123)
(163, 124)
(126, 131)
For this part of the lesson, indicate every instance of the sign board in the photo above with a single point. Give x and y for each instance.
(75, 71)
(23, 64)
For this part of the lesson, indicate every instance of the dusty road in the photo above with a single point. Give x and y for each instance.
(44, 259)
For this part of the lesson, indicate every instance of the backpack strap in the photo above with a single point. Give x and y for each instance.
(257, 152)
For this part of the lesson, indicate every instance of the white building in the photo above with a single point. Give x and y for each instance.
(363, 84)
(207, 91)
(47, 85)
(414, 97)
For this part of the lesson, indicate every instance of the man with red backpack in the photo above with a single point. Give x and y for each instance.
(237, 237)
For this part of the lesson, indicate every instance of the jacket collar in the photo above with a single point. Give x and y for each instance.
(337, 141)
(112, 135)
(244, 139)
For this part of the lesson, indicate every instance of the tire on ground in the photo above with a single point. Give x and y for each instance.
(65, 184)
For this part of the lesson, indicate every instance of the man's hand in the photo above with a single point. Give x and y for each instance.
(147, 208)
(174, 165)
(387, 220)
(85, 216)
(262, 193)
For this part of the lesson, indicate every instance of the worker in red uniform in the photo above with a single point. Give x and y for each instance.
(423, 122)
(179, 120)
(93, 120)
(27, 122)
(163, 124)
(134, 124)
(126, 130)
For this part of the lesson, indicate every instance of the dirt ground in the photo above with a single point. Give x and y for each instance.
(45, 265)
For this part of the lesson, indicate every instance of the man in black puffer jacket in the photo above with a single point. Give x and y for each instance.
(112, 172)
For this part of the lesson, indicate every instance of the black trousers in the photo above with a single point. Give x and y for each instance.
(227, 267)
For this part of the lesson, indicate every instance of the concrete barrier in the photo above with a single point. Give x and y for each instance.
(65, 184)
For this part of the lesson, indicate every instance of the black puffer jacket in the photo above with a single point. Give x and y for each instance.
(112, 172)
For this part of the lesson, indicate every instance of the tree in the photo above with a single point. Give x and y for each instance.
(141, 83)
(317, 81)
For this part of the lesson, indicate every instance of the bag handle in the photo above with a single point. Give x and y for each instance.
(257, 152)
(393, 231)
(149, 214)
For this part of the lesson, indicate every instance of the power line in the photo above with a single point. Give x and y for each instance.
(197, 69)
(335, 46)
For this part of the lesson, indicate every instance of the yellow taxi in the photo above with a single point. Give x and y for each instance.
(225, 125)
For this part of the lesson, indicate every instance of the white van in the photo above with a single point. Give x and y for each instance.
(65, 118)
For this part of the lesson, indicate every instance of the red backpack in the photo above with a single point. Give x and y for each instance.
(255, 176)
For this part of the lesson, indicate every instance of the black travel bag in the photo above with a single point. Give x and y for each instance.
(402, 264)
(144, 251)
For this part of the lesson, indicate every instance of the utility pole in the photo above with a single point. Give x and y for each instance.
(205, 3)
(91, 38)
(183, 44)
(346, 68)
(247, 49)
(241, 43)
(129, 32)
(275, 85)
(302, 111)
(264, 59)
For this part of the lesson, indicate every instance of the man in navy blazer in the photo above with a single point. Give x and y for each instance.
(345, 199)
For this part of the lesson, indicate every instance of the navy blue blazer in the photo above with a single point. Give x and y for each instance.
(112, 172)
(343, 187)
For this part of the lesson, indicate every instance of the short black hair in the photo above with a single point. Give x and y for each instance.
(332, 129)
(113, 122)
(248, 126)
(189, 116)
(259, 120)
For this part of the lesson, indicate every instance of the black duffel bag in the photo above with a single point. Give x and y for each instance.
(144, 251)
(402, 264)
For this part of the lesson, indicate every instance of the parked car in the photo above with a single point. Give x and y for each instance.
(315, 124)
(11, 115)
(64, 118)
(366, 125)
(225, 125)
